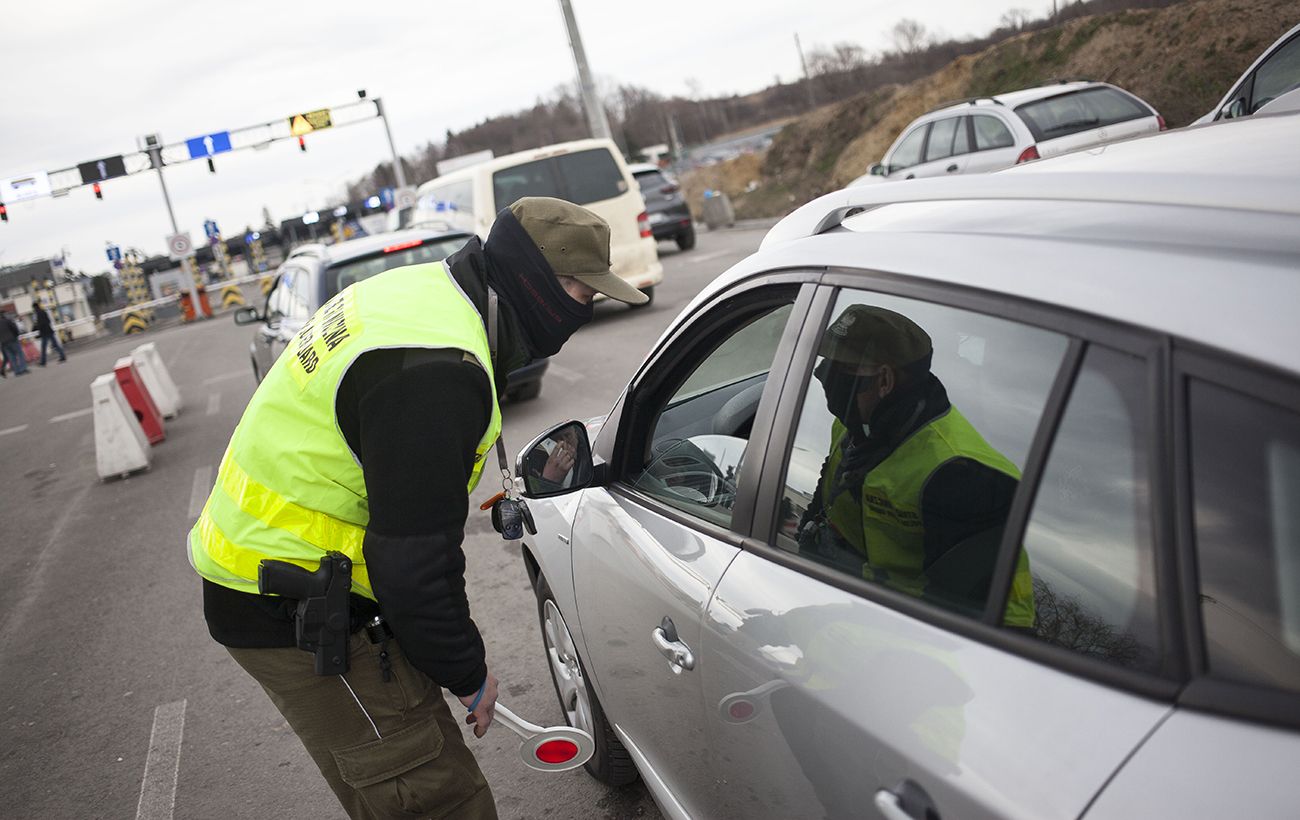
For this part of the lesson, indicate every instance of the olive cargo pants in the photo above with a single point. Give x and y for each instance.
(387, 749)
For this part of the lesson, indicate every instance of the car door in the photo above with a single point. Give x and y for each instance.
(838, 689)
(907, 153)
(994, 147)
(292, 308)
(946, 149)
(649, 546)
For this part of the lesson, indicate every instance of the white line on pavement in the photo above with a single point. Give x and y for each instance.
(564, 374)
(17, 429)
(214, 403)
(74, 414)
(158, 788)
(234, 374)
(708, 256)
(199, 491)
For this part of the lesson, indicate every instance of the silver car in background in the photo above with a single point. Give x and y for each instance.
(1121, 325)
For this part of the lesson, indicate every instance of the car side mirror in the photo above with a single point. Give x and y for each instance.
(557, 462)
(877, 170)
(1234, 109)
(247, 316)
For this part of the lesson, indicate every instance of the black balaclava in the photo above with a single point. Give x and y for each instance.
(525, 281)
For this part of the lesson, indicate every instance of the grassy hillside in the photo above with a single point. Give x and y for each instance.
(1181, 59)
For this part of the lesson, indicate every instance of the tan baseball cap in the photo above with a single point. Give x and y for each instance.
(575, 242)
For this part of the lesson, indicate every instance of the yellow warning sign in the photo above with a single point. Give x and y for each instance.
(134, 322)
(300, 124)
(231, 296)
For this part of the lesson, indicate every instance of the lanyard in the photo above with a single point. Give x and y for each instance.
(507, 478)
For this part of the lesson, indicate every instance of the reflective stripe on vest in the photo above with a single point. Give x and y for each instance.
(289, 488)
(884, 522)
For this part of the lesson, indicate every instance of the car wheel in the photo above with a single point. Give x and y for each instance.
(529, 391)
(611, 763)
(650, 294)
(686, 239)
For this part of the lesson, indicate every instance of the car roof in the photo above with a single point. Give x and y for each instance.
(1194, 233)
(643, 168)
(366, 245)
(528, 155)
(1013, 98)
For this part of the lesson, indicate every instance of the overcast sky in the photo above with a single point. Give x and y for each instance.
(84, 79)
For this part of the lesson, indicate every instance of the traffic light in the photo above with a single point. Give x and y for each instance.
(98, 193)
(4, 214)
(302, 144)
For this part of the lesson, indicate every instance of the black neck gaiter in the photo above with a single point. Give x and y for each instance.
(523, 279)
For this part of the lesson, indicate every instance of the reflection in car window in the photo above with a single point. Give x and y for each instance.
(701, 435)
(1246, 494)
(991, 132)
(910, 444)
(1279, 74)
(908, 152)
(1089, 534)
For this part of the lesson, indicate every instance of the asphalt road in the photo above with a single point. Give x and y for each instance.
(114, 702)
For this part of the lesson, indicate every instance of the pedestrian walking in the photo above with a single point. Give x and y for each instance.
(46, 333)
(12, 346)
(346, 487)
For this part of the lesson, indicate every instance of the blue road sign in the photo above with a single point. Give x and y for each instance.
(208, 145)
(210, 228)
(114, 253)
(386, 197)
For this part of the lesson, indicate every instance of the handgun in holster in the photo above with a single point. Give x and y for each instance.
(321, 621)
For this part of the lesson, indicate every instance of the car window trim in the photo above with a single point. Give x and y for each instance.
(681, 346)
(1081, 330)
(1265, 60)
(1205, 692)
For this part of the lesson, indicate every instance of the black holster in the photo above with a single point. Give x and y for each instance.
(321, 622)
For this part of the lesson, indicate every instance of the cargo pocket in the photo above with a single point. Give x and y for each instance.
(402, 775)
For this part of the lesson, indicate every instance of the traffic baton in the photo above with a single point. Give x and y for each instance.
(551, 748)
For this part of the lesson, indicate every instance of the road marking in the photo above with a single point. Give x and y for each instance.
(17, 429)
(158, 788)
(74, 414)
(199, 491)
(214, 404)
(564, 374)
(225, 377)
(708, 256)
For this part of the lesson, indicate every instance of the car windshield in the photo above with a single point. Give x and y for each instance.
(345, 273)
(1070, 113)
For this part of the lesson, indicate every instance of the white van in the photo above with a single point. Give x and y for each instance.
(590, 172)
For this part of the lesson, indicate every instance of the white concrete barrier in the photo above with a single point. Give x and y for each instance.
(120, 445)
(149, 364)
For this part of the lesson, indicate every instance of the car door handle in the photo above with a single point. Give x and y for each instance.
(952, 168)
(910, 176)
(906, 801)
(679, 655)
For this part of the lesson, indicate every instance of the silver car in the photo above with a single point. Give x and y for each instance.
(1118, 328)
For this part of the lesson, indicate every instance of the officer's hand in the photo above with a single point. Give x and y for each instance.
(481, 717)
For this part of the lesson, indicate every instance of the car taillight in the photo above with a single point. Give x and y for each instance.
(403, 246)
(1161, 122)
(643, 224)
(1026, 155)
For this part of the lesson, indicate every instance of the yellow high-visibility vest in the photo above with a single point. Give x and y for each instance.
(883, 521)
(289, 487)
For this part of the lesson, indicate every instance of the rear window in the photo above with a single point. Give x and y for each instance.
(1067, 114)
(651, 181)
(582, 178)
(339, 276)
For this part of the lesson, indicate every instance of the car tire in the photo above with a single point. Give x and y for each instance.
(650, 297)
(686, 239)
(611, 763)
(531, 390)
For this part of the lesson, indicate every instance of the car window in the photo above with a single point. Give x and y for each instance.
(700, 435)
(535, 178)
(908, 152)
(302, 304)
(591, 176)
(941, 136)
(1076, 111)
(345, 273)
(991, 132)
(961, 139)
(1245, 457)
(904, 464)
(651, 181)
(1277, 75)
(276, 302)
(453, 196)
(1088, 541)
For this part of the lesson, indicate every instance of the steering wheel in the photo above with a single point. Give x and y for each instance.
(686, 471)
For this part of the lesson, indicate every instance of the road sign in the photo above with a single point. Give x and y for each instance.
(98, 170)
(309, 121)
(114, 253)
(386, 197)
(208, 145)
(210, 228)
(16, 189)
(404, 198)
(179, 245)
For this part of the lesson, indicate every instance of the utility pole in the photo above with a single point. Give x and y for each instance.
(154, 146)
(812, 102)
(595, 111)
(398, 173)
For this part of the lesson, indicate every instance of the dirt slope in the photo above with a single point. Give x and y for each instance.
(1181, 59)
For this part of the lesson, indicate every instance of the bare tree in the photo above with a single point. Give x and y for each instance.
(840, 70)
(1014, 19)
(909, 36)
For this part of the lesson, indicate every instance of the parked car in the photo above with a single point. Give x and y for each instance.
(1117, 330)
(1271, 84)
(311, 274)
(589, 172)
(984, 134)
(670, 218)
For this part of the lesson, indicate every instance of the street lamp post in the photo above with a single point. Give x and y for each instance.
(596, 120)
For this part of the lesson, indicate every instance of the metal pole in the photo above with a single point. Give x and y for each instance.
(595, 111)
(397, 161)
(155, 159)
(812, 103)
